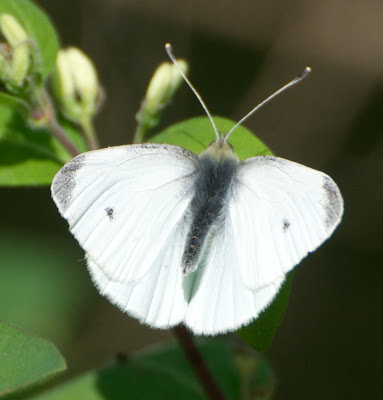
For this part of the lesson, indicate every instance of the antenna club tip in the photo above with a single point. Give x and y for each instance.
(302, 75)
(169, 50)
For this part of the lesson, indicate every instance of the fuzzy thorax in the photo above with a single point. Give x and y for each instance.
(216, 169)
(219, 150)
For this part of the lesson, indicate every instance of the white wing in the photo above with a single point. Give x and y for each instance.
(219, 300)
(277, 212)
(127, 206)
(158, 299)
(280, 211)
(124, 204)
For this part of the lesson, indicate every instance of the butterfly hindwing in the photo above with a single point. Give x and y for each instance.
(219, 300)
(158, 299)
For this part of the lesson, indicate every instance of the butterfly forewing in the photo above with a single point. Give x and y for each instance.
(123, 204)
(280, 211)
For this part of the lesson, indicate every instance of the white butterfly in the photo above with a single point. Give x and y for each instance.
(172, 237)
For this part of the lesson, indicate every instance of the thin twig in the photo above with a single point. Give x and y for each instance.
(42, 108)
(138, 136)
(60, 135)
(90, 133)
(198, 364)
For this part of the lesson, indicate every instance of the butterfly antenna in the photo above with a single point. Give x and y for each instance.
(169, 50)
(296, 80)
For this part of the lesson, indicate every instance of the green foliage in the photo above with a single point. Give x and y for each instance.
(38, 27)
(164, 374)
(196, 134)
(25, 359)
(30, 156)
(260, 333)
(27, 156)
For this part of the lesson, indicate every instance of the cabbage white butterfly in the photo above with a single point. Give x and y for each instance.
(172, 237)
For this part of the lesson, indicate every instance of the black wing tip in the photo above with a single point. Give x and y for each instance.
(333, 202)
(65, 181)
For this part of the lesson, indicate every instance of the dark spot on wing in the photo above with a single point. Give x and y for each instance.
(286, 224)
(109, 212)
(332, 201)
(64, 182)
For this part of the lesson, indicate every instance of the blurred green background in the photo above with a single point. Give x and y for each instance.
(330, 342)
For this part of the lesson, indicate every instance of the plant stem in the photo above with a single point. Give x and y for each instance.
(58, 132)
(198, 364)
(90, 134)
(138, 136)
(42, 107)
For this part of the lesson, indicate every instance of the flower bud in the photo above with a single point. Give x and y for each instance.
(15, 53)
(76, 85)
(163, 85)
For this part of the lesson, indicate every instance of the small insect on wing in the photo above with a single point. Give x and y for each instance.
(280, 211)
(123, 204)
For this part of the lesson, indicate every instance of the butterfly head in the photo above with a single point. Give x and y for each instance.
(219, 149)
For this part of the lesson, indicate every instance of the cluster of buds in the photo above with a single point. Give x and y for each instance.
(75, 82)
(15, 54)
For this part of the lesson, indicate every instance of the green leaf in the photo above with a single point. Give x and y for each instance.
(12, 102)
(8, 106)
(30, 157)
(164, 374)
(195, 135)
(27, 156)
(25, 359)
(260, 333)
(38, 26)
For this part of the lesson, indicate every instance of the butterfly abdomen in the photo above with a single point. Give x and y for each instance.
(212, 184)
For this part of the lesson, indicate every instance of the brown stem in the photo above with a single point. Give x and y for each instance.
(198, 364)
(60, 135)
(42, 109)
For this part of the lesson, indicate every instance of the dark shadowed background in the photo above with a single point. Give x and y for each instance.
(329, 345)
